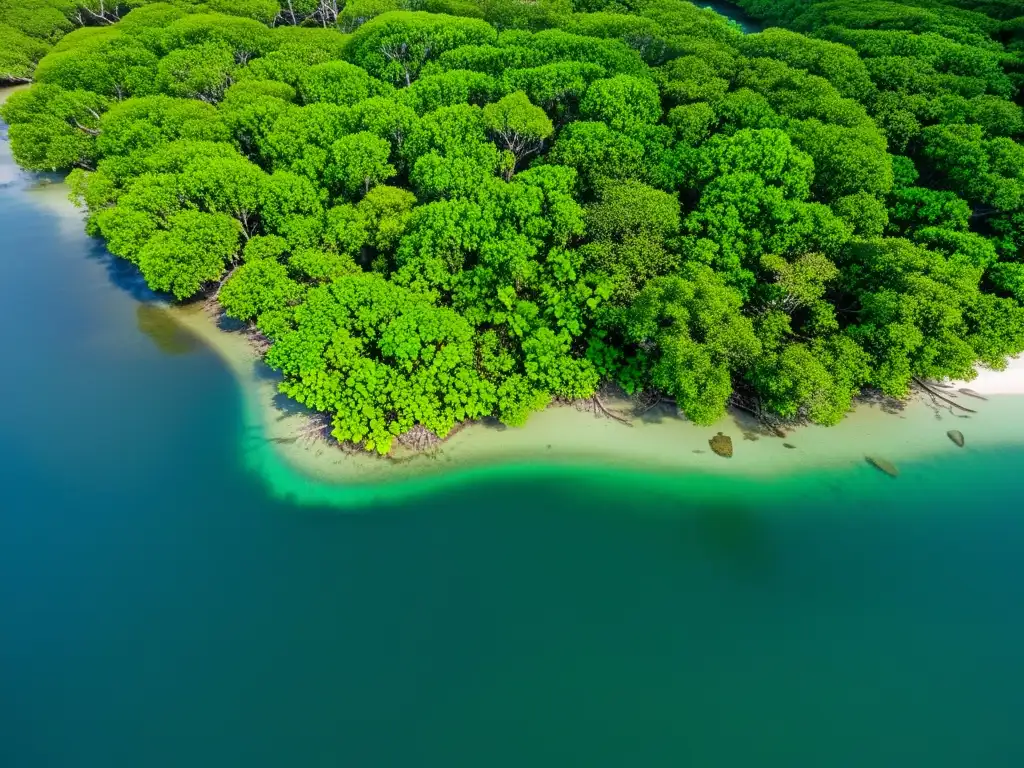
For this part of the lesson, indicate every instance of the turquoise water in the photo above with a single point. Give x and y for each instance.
(160, 606)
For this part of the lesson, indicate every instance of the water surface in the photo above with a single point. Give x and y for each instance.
(159, 606)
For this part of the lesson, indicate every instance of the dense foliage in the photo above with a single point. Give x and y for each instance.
(439, 210)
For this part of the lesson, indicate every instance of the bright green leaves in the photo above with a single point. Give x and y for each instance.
(694, 323)
(598, 153)
(139, 125)
(632, 226)
(916, 207)
(622, 102)
(112, 65)
(864, 213)
(18, 54)
(915, 311)
(301, 137)
(337, 82)
(357, 162)
(190, 253)
(386, 211)
(769, 153)
(557, 86)
(226, 185)
(846, 160)
(551, 368)
(815, 381)
(517, 125)
(740, 219)
(200, 72)
(447, 89)
(381, 360)
(395, 46)
(692, 123)
(535, 223)
(53, 129)
(987, 171)
(257, 286)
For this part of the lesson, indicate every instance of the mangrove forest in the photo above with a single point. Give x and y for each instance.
(436, 211)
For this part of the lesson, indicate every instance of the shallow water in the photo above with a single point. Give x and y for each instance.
(162, 603)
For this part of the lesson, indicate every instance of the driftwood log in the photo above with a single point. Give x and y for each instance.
(941, 397)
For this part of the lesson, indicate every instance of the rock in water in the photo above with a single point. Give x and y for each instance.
(885, 466)
(957, 437)
(972, 393)
(722, 445)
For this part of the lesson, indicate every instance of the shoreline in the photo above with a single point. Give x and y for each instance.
(659, 442)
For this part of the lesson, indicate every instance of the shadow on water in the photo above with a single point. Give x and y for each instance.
(734, 533)
(160, 326)
(123, 274)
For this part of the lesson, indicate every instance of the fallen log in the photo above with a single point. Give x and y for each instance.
(609, 414)
(945, 399)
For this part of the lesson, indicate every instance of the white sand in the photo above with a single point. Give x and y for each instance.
(989, 382)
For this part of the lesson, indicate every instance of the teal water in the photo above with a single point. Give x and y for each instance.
(732, 11)
(160, 606)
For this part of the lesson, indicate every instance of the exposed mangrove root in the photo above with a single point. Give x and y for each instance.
(419, 439)
(609, 414)
(651, 406)
(942, 397)
(220, 285)
(768, 421)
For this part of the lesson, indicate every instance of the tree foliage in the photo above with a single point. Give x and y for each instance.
(444, 210)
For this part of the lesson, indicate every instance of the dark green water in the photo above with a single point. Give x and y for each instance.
(159, 608)
(732, 11)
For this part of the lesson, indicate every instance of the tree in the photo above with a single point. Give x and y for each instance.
(914, 207)
(694, 323)
(337, 82)
(192, 252)
(865, 213)
(357, 162)
(244, 38)
(142, 124)
(623, 102)
(381, 360)
(112, 65)
(693, 122)
(518, 126)
(54, 129)
(385, 211)
(846, 160)
(200, 72)
(226, 185)
(394, 46)
(256, 287)
(598, 153)
(816, 381)
(632, 225)
(557, 87)
(18, 55)
(769, 153)
(448, 89)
